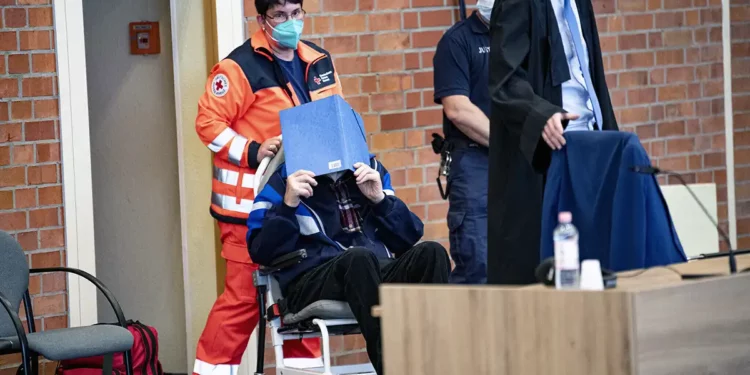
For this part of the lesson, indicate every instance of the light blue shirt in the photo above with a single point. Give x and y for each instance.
(574, 95)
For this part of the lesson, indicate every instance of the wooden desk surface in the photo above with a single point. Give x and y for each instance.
(652, 323)
(652, 278)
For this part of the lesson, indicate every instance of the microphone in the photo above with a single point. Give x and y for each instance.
(725, 238)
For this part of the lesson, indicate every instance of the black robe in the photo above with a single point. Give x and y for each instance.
(527, 69)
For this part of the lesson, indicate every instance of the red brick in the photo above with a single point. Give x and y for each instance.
(47, 305)
(632, 79)
(52, 323)
(23, 154)
(677, 146)
(715, 159)
(392, 4)
(667, 129)
(40, 17)
(631, 41)
(50, 196)
(43, 218)
(397, 159)
(350, 86)
(351, 65)
(435, 230)
(12, 176)
(423, 80)
(29, 240)
(608, 43)
(41, 130)
(672, 93)
(392, 41)
(353, 23)
(390, 83)
(53, 282)
(429, 193)
(436, 18)
(20, 110)
(634, 115)
(18, 64)
(395, 121)
(35, 40)
(321, 24)
(425, 155)
(8, 41)
(413, 100)
(676, 163)
(10, 132)
(713, 89)
(45, 108)
(398, 178)
(675, 4)
(387, 141)
(6, 200)
(645, 131)
(670, 19)
(51, 238)
(670, 57)
(427, 59)
(680, 74)
(437, 211)
(370, 84)
(415, 138)
(15, 17)
(639, 60)
(631, 5)
(429, 117)
(426, 39)
(415, 176)
(341, 44)
(12, 221)
(43, 174)
(412, 61)
(8, 88)
(411, 20)
(386, 63)
(674, 38)
(641, 96)
(359, 103)
(426, 3)
(4, 156)
(639, 22)
(3, 65)
(366, 5)
(43, 62)
(385, 21)
(366, 43)
(26, 198)
(339, 6)
(386, 102)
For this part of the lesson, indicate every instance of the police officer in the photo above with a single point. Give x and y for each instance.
(461, 75)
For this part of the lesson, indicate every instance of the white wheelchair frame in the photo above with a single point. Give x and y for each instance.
(321, 323)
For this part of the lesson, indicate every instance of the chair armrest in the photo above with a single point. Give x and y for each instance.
(17, 325)
(99, 285)
(285, 261)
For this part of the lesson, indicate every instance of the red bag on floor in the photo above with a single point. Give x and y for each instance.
(145, 356)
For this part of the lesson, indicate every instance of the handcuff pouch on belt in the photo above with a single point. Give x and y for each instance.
(443, 147)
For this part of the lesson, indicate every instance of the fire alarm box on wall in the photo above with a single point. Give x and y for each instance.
(144, 38)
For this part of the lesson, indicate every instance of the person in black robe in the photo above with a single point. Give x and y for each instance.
(528, 67)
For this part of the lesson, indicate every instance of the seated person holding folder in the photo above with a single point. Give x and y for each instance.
(351, 225)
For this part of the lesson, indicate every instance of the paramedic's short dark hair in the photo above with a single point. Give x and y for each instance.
(262, 6)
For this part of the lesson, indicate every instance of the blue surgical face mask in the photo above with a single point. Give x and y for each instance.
(485, 8)
(287, 34)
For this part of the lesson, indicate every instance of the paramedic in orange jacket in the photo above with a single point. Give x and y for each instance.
(238, 119)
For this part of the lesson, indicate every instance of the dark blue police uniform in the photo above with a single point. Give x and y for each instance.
(461, 67)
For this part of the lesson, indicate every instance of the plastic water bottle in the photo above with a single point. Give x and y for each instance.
(567, 266)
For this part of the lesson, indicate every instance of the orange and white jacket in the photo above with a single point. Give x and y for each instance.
(240, 110)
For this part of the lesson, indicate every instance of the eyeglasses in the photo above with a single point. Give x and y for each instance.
(281, 17)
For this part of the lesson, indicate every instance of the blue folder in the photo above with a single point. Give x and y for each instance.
(323, 136)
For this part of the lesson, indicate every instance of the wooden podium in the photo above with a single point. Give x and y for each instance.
(652, 323)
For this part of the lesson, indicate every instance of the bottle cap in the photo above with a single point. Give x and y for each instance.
(591, 275)
(565, 217)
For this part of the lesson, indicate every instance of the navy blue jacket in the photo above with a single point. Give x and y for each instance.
(275, 229)
(622, 217)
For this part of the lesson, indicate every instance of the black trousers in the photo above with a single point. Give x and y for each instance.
(354, 277)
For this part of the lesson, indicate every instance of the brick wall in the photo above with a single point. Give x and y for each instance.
(30, 180)
(741, 101)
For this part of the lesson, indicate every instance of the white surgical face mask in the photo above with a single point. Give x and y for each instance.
(485, 8)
